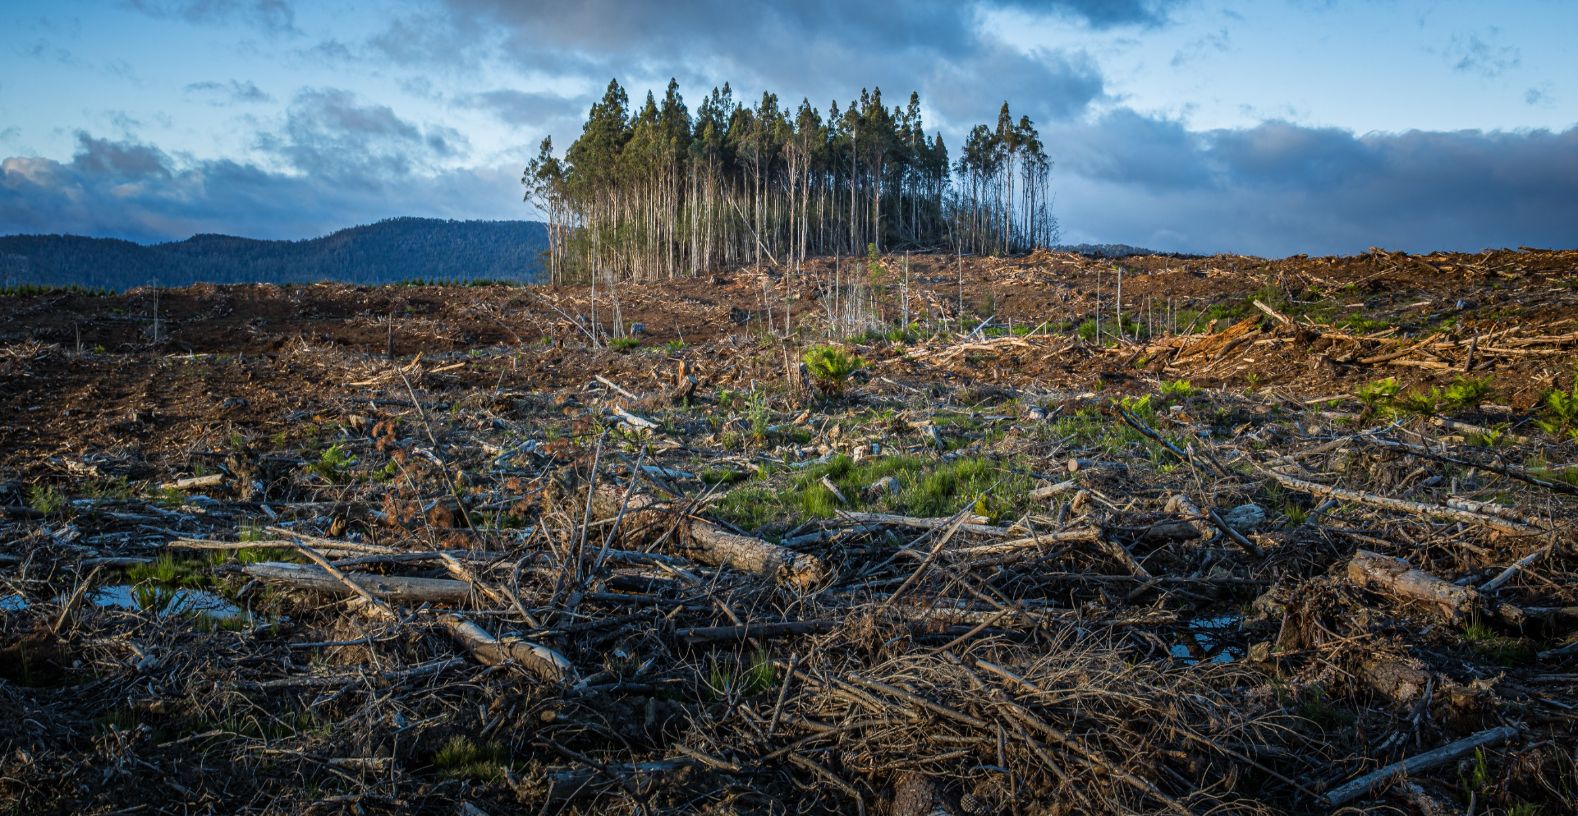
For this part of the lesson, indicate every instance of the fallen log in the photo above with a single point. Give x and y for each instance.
(397, 588)
(1395, 577)
(535, 658)
(971, 523)
(709, 543)
(194, 482)
(1349, 791)
(1521, 527)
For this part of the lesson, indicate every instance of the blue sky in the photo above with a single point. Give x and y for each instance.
(1271, 127)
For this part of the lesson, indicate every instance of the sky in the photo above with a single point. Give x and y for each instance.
(1270, 127)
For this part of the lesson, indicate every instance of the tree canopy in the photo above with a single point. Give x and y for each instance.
(661, 192)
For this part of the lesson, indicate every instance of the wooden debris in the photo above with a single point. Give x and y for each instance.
(1395, 577)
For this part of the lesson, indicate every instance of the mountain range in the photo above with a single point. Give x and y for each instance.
(390, 251)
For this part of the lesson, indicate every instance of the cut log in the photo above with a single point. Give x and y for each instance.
(971, 523)
(395, 588)
(195, 482)
(537, 659)
(709, 543)
(1345, 793)
(1395, 577)
(1182, 505)
(1518, 527)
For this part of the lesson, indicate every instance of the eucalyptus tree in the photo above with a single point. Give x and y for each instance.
(662, 192)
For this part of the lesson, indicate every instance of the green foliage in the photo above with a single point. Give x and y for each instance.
(332, 463)
(624, 344)
(758, 414)
(169, 571)
(153, 598)
(722, 476)
(926, 488)
(463, 758)
(729, 677)
(1087, 329)
(1140, 406)
(867, 150)
(1378, 395)
(1559, 412)
(831, 367)
(1503, 649)
(1478, 779)
(750, 508)
(1177, 389)
(674, 346)
(1461, 393)
(875, 269)
(46, 499)
(1491, 437)
(169, 497)
(118, 488)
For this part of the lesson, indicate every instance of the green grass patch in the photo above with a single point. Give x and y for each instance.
(927, 487)
(1503, 649)
(463, 758)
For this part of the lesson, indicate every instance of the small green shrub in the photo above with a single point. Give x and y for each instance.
(1377, 396)
(46, 499)
(333, 463)
(1559, 412)
(624, 344)
(831, 367)
(1179, 389)
(1461, 393)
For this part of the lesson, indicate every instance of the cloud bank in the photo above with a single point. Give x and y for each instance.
(340, 162)
(327, 158)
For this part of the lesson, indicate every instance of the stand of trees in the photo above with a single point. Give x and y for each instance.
(664, 193)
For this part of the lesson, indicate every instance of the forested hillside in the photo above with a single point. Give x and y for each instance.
(661, 193)
(389, 251)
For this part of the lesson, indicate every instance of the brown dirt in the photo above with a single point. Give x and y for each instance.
(1228, 676)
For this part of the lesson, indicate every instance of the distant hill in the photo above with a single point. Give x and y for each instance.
(399, 249)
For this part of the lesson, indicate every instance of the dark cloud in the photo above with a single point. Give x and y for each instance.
(1279, 188)
(271, 16)
(120, 161)
(229, 93)
(338, 161)
(1046, 86)
(1106, 13)
(820, 49)
(432, 40)
(131, 190)
(331, 134)
(524, 108)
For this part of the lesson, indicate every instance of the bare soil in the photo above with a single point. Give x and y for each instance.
(1066, 604)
